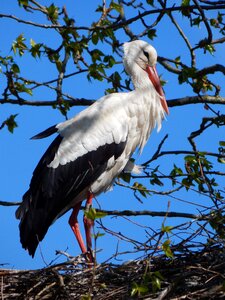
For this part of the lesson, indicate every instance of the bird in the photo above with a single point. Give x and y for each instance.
(92, 149)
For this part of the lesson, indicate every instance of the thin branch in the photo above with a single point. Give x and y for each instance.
(123, 18)
(210, 70)
(183, 152)
(196, 100)
(208, 40)
(156, 154)
(187, 42)
(114, 26)
(153, 214)
(207, 122)
(71, 102)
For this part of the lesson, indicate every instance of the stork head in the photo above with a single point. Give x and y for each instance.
(140, 58)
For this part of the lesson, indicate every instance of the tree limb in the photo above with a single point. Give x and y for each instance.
(153, 214)
(196, 100)
(86, 102)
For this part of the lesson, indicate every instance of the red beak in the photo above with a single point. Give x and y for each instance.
(153, 76)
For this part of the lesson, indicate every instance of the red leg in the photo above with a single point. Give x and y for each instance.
(88, 224)
(73, 222)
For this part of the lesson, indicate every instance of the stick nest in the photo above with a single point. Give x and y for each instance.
(199, 275)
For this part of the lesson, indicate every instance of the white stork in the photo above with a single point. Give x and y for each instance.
(92, 149)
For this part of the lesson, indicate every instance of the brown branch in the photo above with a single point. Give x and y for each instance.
(183, 152)
(153, 214)
(196, 100)
(207, 122)
(218, 41)
(208, 40)
(86, 102)
(210, 70)
(187, 42)
(71, 102)
(157, 152)
(117, 25)
(164, 62)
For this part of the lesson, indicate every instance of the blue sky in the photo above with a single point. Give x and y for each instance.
(19, 154)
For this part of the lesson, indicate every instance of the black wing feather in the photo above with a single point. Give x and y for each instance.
(47, 132)
(53, 189)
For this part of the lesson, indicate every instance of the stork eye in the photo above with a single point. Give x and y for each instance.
(146, 54)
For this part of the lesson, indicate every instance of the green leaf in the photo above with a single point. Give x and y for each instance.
(138, 289)
(220, 17)
(11, 123)
(177, 60)
(222, 143)
(21, 88)
(125, 176)
(156, 284)
(35, 51)
(32, 42)
(15, 68)
(98, 234)
(210, 49)
(156, 181)
(96, 54)
(150, 2)
(166, 229)
(155, 278)
(185, 8)
(166, 248)
(109, 59)
(196, 21)
(185, 2)
(19, 45)
(115, 78)
(35, 48)
(217, 221)
(214, 23)
(96, 71)
(95, 38)
(86, 297)
(116, 6)
(53, 12)
(141, 189)
(176, 171)
(151, 34)
(23, 2)
(92, 214)
(186, 73)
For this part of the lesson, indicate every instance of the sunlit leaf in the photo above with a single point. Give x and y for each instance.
(166, 248)
(166, 229)
(92, 214)
(116, 6)
(53, 12)
(23, 2)
(138, 289)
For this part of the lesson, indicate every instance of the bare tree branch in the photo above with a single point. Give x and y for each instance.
(86, 102)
